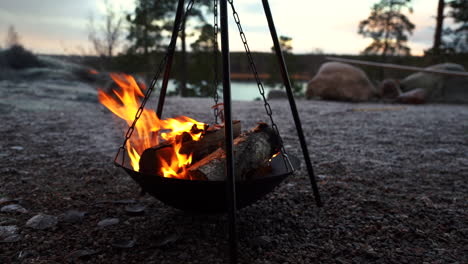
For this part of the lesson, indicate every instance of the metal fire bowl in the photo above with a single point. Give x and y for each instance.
(210, 196)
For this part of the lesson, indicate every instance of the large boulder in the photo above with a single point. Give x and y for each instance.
(342, 82)
(416, 96)
(438, 87)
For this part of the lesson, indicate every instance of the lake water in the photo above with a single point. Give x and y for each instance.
(242, 91)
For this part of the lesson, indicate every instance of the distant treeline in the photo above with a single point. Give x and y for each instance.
(304, 65)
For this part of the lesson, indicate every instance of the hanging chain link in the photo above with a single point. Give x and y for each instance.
(153, 82)
(261, 89)
(215, 55)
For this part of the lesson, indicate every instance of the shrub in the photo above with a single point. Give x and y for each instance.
(19, 58)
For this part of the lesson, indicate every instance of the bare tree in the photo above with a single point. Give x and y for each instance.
(105, 36)
(12, 37)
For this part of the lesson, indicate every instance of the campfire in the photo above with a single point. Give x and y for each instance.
(182, 147)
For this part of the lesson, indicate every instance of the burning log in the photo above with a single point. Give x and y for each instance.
(152, 158)
(252, 151)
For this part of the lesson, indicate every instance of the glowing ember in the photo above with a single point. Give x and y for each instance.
(149, 128)
(93, 71)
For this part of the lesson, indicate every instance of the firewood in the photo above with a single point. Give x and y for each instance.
(150, 160)
(252, 151)
(212, 140)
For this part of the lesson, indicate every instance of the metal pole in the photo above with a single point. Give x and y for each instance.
(230, 179)
(170, 56)
(292, 103)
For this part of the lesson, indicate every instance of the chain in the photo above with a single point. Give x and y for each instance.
(261, 89)
(163, 62)
(215, 55)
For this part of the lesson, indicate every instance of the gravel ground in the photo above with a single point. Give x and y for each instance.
(393, 179)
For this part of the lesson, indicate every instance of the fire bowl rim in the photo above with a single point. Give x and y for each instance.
(209, 197)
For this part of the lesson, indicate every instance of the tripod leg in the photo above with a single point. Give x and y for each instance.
(170, 56)
(230, 179)
(292, 103)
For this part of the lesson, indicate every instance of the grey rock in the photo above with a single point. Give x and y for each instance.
(9, 234)
(17, 148)
(124, 243)
(42, 221)
(73, 216)
(13, 208)
(135, 209)
(108, 222)
(438, 87)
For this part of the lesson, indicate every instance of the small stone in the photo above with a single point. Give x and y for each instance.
(9, 234)
(82, 253)
(165, 240)
(26, 254)
(13, 208)
(124, 243)
(11, 239)
(73, 216)
(277, 94)
(5, 200)
(42, 221)
(17, 148)
(261, 241)
(125, 201)
(7, 221)
(108, 222)
(135, 209)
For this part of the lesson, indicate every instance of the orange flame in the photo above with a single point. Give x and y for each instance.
(149, 128)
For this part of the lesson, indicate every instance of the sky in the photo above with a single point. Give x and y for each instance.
(60, 26)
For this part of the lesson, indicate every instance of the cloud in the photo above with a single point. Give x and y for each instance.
(329, 25)
(47, 8)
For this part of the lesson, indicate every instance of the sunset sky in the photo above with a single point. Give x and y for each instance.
(60, 26)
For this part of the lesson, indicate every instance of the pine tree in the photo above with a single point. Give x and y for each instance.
(151, 26)
(388, 27)
(197, 13)
(147, 25)
(439, 26)
(456, 40)
(275, 80)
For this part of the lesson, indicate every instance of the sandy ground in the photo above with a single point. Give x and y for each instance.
(394, 180)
